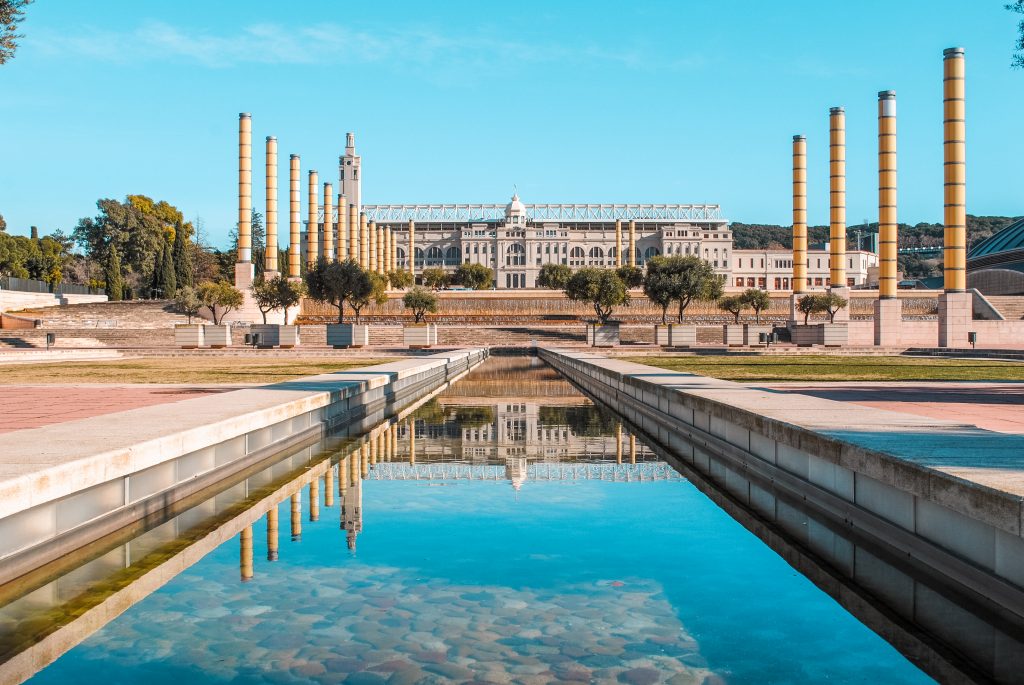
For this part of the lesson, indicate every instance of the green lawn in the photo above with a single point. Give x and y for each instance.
(837, 368)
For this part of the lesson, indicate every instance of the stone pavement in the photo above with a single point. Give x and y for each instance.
(996, 406)
(32, 406)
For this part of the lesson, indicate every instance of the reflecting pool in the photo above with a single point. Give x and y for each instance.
(507, 531)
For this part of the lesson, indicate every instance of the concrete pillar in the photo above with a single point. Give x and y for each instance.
(364, 242)
(296, 517)
(270, 260)
(618, 242)
(632, 243)
(314, 499)
(342, 227)
(353, 233)
(888, 309)
(294, 234)
(955, 304)
(412, 248)
(329, 487)
(312, 220)
(245, 553)
(327, 236)
(272, 543)
(244, 187)
(837, 197)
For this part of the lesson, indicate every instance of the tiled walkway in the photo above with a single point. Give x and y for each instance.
(31, 406)
(994, 406)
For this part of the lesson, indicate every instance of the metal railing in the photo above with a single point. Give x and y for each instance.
(28, 285)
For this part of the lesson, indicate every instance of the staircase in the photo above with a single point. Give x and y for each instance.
(1010, 306)
(136, 314)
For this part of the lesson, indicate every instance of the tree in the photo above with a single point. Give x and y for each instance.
(3, 223)
(187, 302)
(336, 282)
(276, 294)
(374, 290)
(734, 304)
(400, 279)
(112, 275)
(475, 276)
(182, 256)
(809, 304)
(434, 278)
(660, 287)
(758, 300)
(12, 13)
(554, 276)
(420, 301)
(601, 288)
(1018, 55)
(631, 276)
(169, 283)
(220, 298)
(688, 277)
(832, 303)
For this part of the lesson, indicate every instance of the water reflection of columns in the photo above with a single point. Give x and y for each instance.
(394, 440)
(632, 448)
(412, 441)
(272, 545)
(352, 502)
(618, 443)
(296, 516)
(329, 487)
(365, 460)
(314, 499)
(245, 557)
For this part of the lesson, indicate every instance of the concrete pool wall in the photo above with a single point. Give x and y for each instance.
(947, 494)
(64, 486)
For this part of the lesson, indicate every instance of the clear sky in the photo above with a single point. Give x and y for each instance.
(457, 101)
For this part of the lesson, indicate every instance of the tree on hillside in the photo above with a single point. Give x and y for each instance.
(12, 13)
(182, 257)
(600, 288)
(112, 275)
(475, 276)
(554, 276)
(758, 300)
(1018, 55)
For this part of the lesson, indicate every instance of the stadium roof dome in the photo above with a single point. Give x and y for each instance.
(1006, 240)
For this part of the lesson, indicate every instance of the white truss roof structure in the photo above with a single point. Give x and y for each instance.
(544, 212)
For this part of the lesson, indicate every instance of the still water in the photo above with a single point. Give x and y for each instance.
(506, 531)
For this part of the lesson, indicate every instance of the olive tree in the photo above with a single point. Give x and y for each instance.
(554, 276)
(335, 283)
(371, 289)
(434, 278)
(220, 299)
(734, 304)
(686, 278)
(187, 302)
(631, 276)
(758, 300)
(276, 294)
(400, 279)
(831, 303)
(601, 288)
(420, 301)
(475, 276)
(809, 304)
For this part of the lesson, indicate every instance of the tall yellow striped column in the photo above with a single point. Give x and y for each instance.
(887, 220)
(353, 233)
(327, 236)
(244, 187)
(380, 249)
(618, 242)
(364, 242)
(837, 196)
(412, 248)
(270, 260)
(799, 215)
(371, 246)
(312, 219)
(342, 227)
(954, 250)
(294, 231)
(632, 243)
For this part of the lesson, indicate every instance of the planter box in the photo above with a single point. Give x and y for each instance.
(752, 333)
(603, 335)
(419, 337)
(806, 335)
(217, 336)
(189, 336)
(835, 334)
(732, 334)
(347, 335)
(675, 335)
(274, 335)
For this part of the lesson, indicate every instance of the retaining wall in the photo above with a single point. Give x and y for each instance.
(947, 494)
(64, 486)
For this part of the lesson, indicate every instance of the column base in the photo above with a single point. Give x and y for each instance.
(888, 320)
(956, 314)
(244, 275)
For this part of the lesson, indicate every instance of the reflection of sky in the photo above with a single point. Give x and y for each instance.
(756, 619)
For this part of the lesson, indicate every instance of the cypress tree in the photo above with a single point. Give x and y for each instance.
(183, 272)
(112, 275)
(157, 278)
(169, 282)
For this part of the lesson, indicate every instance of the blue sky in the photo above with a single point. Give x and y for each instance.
(457, 101)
